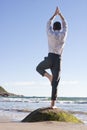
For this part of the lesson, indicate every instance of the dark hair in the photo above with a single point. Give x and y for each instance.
(57, 26)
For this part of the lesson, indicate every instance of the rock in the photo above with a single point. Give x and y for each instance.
(4, 93)
(49, 114)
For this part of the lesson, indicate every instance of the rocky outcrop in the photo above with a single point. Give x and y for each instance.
(4, 93)
(49, 114)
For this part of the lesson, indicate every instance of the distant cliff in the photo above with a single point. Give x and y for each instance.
(4, 93)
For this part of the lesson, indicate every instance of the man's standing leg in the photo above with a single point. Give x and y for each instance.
(54, 93)
(55, 81)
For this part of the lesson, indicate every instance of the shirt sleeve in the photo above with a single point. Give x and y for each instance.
(64, 27)
(49, 27)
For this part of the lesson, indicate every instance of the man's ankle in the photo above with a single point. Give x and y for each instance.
(52, 103)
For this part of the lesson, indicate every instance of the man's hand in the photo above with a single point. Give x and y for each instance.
(57, 11)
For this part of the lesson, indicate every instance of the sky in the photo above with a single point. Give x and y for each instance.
(23, 44)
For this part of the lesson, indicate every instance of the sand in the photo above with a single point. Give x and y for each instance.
(48, 125)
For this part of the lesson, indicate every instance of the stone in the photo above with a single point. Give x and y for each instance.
(49, 114)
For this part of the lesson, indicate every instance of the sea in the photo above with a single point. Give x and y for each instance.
(17, 108)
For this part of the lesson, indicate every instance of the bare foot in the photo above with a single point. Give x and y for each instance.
(53, 107)
(52, 103)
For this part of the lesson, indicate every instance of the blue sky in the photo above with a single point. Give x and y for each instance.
(23, 44)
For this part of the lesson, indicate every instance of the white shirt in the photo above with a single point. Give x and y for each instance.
(56, 39)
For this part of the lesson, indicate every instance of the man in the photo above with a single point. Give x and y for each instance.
(56, 39)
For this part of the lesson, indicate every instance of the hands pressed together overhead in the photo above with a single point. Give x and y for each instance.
(57, 11)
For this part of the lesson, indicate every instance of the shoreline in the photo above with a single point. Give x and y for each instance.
(7, 124)
(47, 125)
(13, 110)
(17, 116)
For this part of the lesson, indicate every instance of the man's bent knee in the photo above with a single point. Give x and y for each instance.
(40, 70)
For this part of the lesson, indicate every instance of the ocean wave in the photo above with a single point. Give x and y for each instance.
(78, 112)
(30, 110)
(16, 110)
(72, 102)
(61, 100)
(81, 102)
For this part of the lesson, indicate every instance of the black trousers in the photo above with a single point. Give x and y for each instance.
(52, 62)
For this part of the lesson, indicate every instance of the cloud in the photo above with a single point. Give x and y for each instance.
(39, 83)
(27, 83)
(23, 83)
(70, 82)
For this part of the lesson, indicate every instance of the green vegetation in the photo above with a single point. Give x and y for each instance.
(3, 92)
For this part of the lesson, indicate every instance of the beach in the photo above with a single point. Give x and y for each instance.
(49, 125)
(13, 110)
